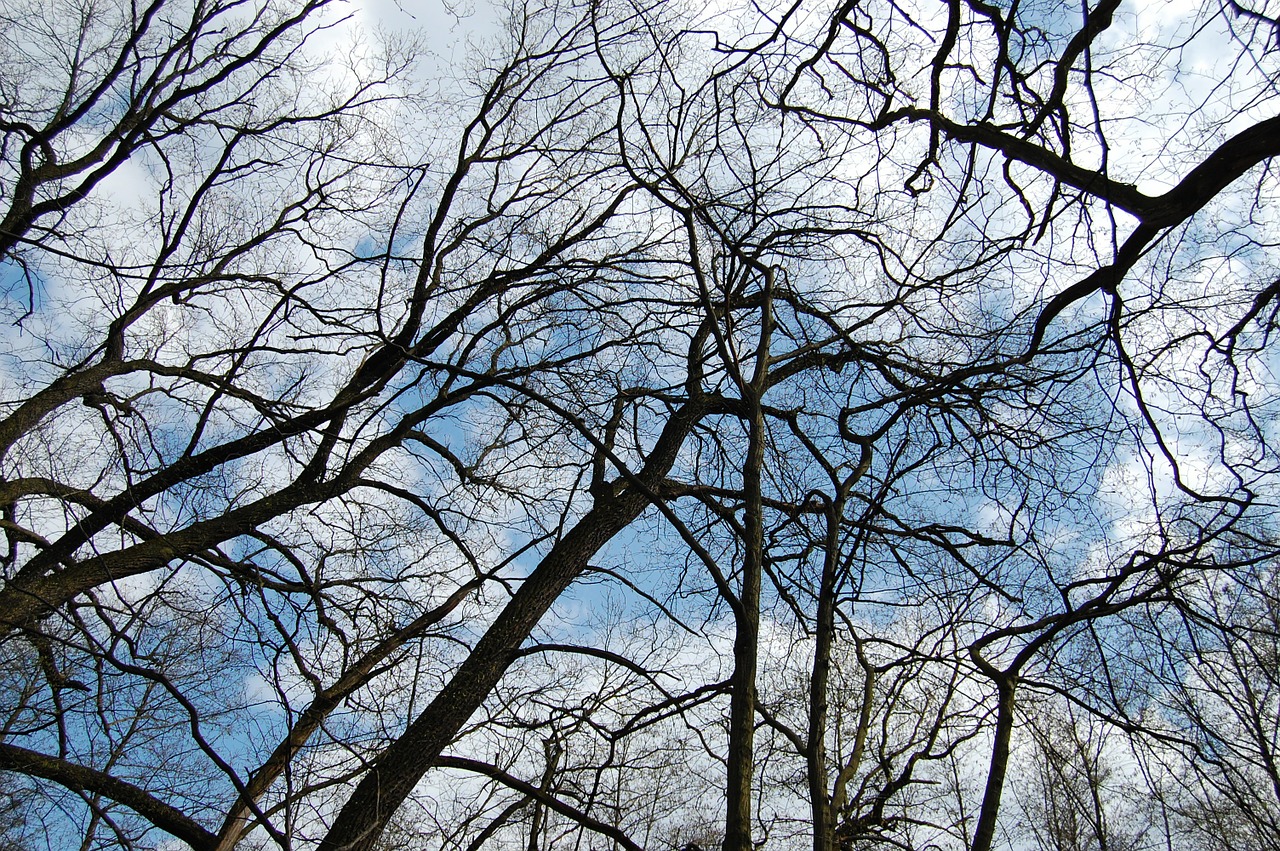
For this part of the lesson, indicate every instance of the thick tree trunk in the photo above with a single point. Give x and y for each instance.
(395, 773)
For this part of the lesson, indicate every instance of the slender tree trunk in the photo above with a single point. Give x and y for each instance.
(746, 649)
(551, 750)
(820, 803)
(985, 832)
(746, 645)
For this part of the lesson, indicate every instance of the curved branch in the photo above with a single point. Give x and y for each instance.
(546, 799)
(79, 778)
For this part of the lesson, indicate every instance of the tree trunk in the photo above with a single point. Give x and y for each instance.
(395, 773)
(985, 832)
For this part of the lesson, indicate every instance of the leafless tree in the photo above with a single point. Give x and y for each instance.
(905, 367)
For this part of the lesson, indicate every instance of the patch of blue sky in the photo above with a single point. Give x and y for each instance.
(373, 247)
(637, 566)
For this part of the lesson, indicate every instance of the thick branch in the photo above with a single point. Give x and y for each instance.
(79, 778)
(394, 774)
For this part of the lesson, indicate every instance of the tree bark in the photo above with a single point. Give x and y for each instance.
(820, 803)
(984, 833)
(746, 644)
(394, 774)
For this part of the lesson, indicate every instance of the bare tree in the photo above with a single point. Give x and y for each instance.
(910, 362)
(265, 397)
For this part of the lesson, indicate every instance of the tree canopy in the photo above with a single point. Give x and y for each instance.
(643, 425)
